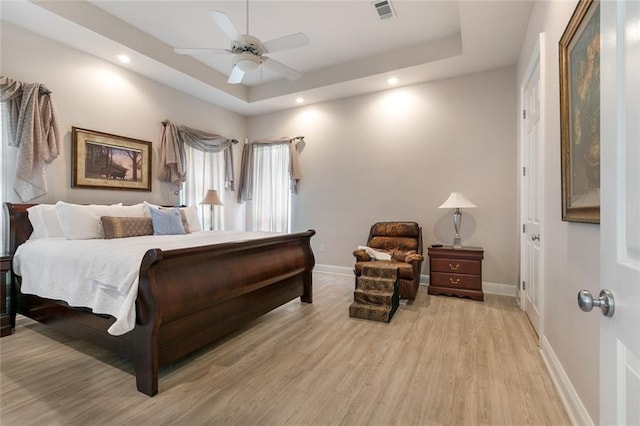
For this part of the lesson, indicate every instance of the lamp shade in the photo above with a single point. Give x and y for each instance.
(211, 197)
(457, 200)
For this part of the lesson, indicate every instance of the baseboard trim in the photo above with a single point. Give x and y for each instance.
(487, 287)
(568, 395)
(331, 269)
(499, 289)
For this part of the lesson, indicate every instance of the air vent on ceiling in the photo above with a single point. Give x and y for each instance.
(384, 10)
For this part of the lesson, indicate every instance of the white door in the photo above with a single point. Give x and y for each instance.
(531, 295)
(620, 211)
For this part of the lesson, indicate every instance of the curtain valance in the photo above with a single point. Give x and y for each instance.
(245, 184)
(30, 115)
(172, 156)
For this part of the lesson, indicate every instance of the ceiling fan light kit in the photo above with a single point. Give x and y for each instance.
(249, 51)
(247, 62)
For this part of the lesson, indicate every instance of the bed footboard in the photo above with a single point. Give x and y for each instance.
(188, 298)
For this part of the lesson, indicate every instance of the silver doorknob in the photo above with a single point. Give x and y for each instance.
(605, 302)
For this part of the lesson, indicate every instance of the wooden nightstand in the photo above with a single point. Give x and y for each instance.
(456, 272)
(5, 295)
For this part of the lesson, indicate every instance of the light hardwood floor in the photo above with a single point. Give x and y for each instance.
(441, 361)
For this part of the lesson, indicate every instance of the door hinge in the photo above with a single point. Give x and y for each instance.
(524, 114)
(524, 171)
(524, 228)
(524, 285)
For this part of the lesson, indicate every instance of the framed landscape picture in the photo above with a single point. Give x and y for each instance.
(102, 160)
(580, 114)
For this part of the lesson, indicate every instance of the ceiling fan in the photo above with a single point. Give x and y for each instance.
(248, 51)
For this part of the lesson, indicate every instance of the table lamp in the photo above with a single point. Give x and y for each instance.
(456, 201)
(211, 198)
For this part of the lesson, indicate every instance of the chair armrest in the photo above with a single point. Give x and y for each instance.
(361, 255)
(414, 257)
(407, 256)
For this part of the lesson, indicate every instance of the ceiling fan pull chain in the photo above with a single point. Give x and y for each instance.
(247, 17)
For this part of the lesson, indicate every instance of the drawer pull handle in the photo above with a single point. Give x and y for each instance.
(456, 281)
(454, 268)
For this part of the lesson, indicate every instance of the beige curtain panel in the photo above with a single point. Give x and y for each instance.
(29, 113)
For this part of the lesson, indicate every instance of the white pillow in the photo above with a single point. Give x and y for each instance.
(136, 210)
(51, 222)
(35, 217)
(79, 222)
(191, 213)
(44, 220)
(146, 208)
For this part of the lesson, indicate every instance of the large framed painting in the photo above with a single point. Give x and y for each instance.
(580, 114)
(102, 160)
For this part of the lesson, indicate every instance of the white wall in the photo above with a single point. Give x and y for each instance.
(572, 256)
(396, 155)
(93, 94)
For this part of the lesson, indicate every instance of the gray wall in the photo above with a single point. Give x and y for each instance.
(398, 154)
(97, 95)
(572, 250)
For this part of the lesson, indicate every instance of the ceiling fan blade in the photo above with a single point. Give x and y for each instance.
(198, 50)
(287, 42)
(281, 68)
(236, 76)
(226, 25)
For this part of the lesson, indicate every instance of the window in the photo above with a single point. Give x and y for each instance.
(270, 209)
(205, 171)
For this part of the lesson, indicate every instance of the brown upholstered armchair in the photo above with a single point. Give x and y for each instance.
(403, 241)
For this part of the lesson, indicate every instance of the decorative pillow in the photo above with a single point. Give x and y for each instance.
(185, 214)
(123, 227)
(166, 221)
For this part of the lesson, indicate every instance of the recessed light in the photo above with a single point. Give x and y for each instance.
(124, 59)
(393, 80)
(299, 100)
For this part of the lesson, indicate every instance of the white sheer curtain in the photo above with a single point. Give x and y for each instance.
(270, 209)
(206, 171)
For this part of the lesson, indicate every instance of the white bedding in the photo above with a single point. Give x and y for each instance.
(102, 274)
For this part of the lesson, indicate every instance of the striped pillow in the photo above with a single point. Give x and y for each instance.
(166, 221)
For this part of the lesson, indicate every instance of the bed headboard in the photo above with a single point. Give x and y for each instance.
(19, 226)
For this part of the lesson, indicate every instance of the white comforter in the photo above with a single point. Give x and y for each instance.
(102, 274)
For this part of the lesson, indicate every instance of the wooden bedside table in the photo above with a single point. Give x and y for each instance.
(5, 295)
(456, 272)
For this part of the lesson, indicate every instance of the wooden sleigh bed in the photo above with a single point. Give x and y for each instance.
(187, 298)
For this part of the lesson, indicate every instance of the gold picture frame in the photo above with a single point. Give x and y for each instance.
(580, 114)
(106, 161)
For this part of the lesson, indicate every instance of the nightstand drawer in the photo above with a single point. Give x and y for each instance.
(439, 279)
(456, 266)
